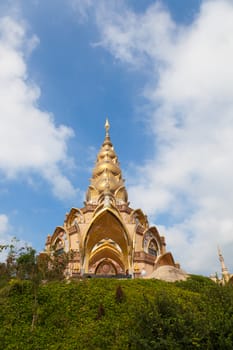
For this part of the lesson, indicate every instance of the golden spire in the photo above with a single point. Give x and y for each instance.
(225, 273)
(107, 174)
(107, 127)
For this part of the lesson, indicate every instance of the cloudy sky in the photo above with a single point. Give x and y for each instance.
(162, 72)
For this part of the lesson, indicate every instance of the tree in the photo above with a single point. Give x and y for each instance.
(9, 270)
(56, 265)
(26, 266)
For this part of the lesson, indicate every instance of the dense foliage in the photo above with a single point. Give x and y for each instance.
(40, 310)
(116, 314)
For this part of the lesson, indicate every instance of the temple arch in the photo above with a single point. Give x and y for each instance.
(152, 242)
(75, 216)
(106, 250)
(107, 227)
(137, 216)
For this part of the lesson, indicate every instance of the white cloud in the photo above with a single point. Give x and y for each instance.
(190, 93)
(4, 224)
(5, 237)
(30, 141)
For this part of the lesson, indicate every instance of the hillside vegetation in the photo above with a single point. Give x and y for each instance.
(116, 314)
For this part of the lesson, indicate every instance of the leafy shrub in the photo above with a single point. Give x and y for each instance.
(113, 314)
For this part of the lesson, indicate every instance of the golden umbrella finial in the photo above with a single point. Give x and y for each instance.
(107, 126)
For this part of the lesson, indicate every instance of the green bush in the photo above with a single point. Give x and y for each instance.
(116, 314)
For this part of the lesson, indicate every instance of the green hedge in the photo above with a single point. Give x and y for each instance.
(116, 314)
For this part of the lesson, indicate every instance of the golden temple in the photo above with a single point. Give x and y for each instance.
(107, 237)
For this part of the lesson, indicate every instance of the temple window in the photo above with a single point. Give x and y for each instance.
(59, 246)
(152, 248)
(137, 221)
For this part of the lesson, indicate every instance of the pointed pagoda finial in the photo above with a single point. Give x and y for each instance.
(107, 127)
(221, 259)
(107, 177)
(225, 273)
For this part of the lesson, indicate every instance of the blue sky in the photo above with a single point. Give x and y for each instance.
(162, 73)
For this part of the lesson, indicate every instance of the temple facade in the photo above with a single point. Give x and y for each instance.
(107, 237)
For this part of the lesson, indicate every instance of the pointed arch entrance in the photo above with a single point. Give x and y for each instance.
(106, 267)
(106, 246)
